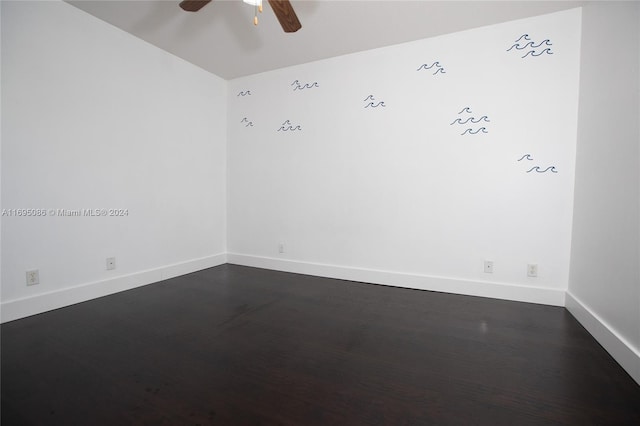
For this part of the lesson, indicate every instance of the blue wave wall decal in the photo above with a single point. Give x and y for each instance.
(518, 47)
(471, 119)
(546, 42)
(533, 52)
(287, 126)
(436, 64)
(537, 169)
(424, 66)
(299, 86)
(471, 132)
(531, 45)
(483, 118)
(373, 104)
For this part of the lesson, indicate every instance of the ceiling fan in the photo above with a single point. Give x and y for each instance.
(282, 9)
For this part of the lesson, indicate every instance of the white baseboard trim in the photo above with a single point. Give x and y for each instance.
(545, 296)
(20, 308)
(618, 347)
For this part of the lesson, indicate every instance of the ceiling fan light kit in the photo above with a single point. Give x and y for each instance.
(258, 5)
(281, 8)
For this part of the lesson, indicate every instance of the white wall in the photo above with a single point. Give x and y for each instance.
(396, 194)
(604, 286)
(93, 117)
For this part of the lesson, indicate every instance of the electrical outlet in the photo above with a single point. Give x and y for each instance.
(33, 277)
(532, 270)
(488, 267)
(281, 248)
(111, 263)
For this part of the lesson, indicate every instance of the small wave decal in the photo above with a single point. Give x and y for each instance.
(435, 67)
(470, 119)
(466, 119)
(287, 126)
(475, 132)
(533, 53)
(299, 86)
(537, 169)
(524, 42)
(526, 157)
(373, 103)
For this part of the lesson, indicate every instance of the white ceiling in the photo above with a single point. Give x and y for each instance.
(221, 37)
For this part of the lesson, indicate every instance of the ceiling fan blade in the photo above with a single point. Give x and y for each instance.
(286, 15)
(193, 5)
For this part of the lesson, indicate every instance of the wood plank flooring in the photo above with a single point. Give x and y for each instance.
(233, 345)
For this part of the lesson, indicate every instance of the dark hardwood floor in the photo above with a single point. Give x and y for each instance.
(234, 345)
